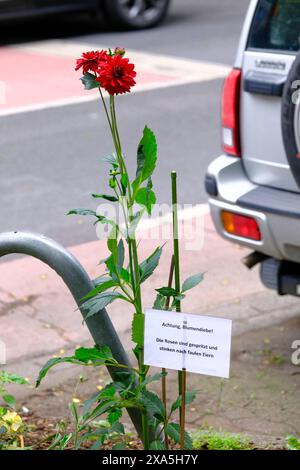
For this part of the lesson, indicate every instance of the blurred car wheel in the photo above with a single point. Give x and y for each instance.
(136, 14)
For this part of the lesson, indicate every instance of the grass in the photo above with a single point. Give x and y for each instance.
(293, 443)
(212, 439)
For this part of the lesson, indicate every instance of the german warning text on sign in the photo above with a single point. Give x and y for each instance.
(196, 343)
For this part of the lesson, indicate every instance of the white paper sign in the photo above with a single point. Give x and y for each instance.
(196, 343)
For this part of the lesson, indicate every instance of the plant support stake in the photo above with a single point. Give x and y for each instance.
(181, 374)
(164, 378)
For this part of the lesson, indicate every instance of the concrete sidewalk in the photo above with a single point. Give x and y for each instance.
(38, 320)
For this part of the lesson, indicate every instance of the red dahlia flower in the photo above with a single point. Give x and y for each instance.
(91, 61)
(116, 75)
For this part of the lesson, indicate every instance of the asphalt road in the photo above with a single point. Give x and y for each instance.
(49, 159)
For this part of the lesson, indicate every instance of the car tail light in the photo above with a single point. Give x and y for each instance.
(231, 114)
(240, 225)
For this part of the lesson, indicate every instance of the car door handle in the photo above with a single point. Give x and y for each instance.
(264, 83)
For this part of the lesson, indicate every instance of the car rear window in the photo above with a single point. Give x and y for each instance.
(276, 25)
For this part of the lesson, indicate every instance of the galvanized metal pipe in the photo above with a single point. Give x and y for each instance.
(79, 284)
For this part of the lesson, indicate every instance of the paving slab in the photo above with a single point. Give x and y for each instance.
(38, 320)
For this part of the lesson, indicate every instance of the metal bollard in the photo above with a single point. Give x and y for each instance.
(79, 284)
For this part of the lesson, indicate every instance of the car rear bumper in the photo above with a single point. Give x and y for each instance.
(277, 212)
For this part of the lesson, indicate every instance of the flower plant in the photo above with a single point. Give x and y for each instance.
(112, 72)
(11, 424)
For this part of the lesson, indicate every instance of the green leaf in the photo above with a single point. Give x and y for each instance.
(157, 445)
(112, 182)
(106, 197)
(173, 431)
(111, 265)
(177, 298)
(138, 326)
(119, 446)
(146, 198)
(89, 81)
(74, 411)
(112, 243)
(51, 363)
(124, 380)
(9, 400)
(93, 354)
(124, 183)
(105, 221)
(125, 275)
(134, 224)
(83, 212)
(192, 282)
(108, 392)
(146, 158)
(100, 288)
(117, 428)
(101, 279)
(167, 291)
(99, 302)
(60, 442)
(160, 302)
(154, 378)
(153, 404)
(102, 408)
(83, 356)
(8, 378)
(114, 416)
(111, 160)
(148, 266)
(189, 398)
(136, 352)
(89, 403)
(120, 255)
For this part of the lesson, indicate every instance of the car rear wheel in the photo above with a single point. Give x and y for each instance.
(136, 14)
(290, 119)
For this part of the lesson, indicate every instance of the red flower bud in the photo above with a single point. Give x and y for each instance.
(120, 50)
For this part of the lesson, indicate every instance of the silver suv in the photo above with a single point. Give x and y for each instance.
(254, 187)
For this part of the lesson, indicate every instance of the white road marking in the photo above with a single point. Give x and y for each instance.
(188, 214)
(183, 70)
(191, 227)
(48, 105)
(178, 71)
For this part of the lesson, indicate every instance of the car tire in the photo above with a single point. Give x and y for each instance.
(290, 107)
(123, 14)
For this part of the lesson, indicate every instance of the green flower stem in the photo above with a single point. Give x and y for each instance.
(114, 119)
(106, 110)
(115, 134)
(121, 198)
(128, 239)
(131, 264)
(123, 168)
(133, 254)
